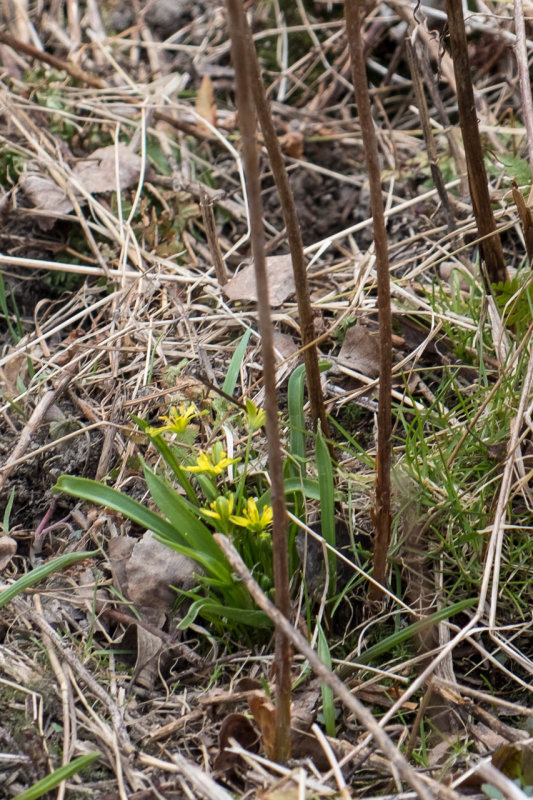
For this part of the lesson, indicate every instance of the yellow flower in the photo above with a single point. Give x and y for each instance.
(254, 416)
(220, 511)
(212, 463)
(177, 421)
(252, 519)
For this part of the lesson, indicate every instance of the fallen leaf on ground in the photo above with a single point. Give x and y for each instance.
(280, 281)
(516, 761)
(360, 350)
(107, 169)
(144, 571)
(238, 727)
(264, 713)
(292, 144)
(8, 548)
(284, 345)
(205, 102)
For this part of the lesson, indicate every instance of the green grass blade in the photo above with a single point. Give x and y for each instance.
(36, 575)
(328, 706)
(7, 512)
(190, 531)
(235, 364)
(407, 633)
(54, 779)
(103, 495)
(327, 503)
(215, 612)
(5, 311)
(169, 458)
(295, 402)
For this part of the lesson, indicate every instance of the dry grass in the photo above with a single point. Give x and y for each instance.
(138, 317)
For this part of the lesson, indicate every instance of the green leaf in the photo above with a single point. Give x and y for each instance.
(235, 364)
(36, 575)
(103, 495)
(7, 512)
(295, 402)
(491, 791)
(327, 503)
(516, 168)
(407, 633)
(188, 529)
(308, 487)
(215, 611)
(57, 776)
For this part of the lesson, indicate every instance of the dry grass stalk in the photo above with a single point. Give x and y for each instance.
(382, 511)
(247, 119)
(477, 177)
(294, 236)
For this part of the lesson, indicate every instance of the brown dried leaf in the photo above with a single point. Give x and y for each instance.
(360, 350)
(284, 344)
(205, 102)
(238, 727)
(516, 761)
(45, 194)
(292, 144)
(280, 281)
(106, 168)
(264, 713)
(8, 548)
(152, 569)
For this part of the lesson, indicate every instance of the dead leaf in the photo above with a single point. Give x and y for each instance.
(292, 144)
(14, 374)
(284, 344)
(45, 194)
(152, 569)
(107, 169)
(144, 571)
(238, 727)
(8, 548)
(516, 761)
(264, 713)
(360, 350)
(205, 102)
(526, 219)
(280, 281)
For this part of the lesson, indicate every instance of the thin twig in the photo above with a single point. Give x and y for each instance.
(491, 247)
(294, 238)
(382, 515)
(428, 135)
(48, 399)
(72, 69)
(522, 63)
(241, 60)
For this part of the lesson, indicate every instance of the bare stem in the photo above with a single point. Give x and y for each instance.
(382, 517)
(491, 247)
(247, 121)
(294, 236)
(522, 62)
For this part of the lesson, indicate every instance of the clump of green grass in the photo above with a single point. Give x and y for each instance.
(199, 489)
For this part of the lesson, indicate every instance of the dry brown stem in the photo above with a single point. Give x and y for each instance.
(382, 515)
(241, 60)
(294, 236)
(491, 247)
(53, 61)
